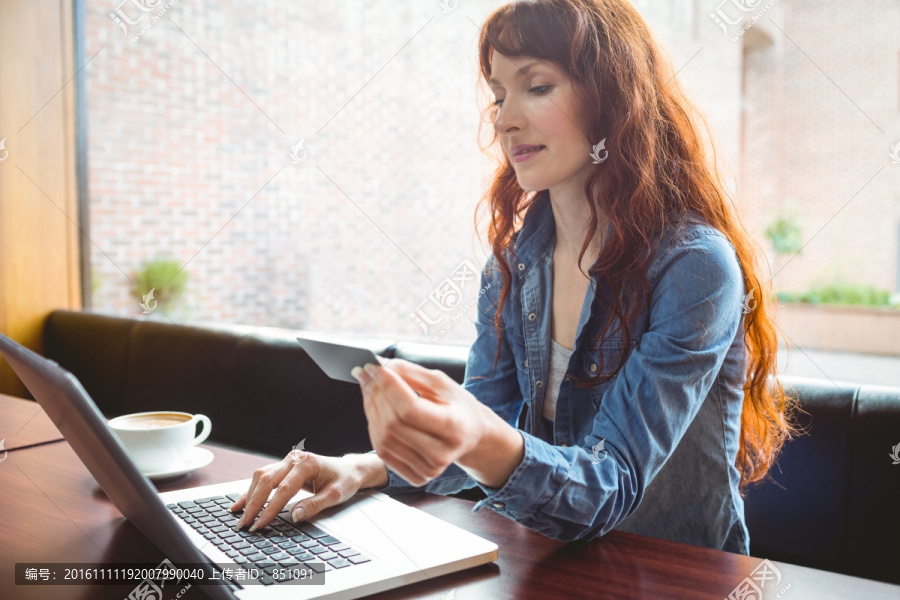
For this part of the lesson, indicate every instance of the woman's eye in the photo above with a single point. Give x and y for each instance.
(539, 90)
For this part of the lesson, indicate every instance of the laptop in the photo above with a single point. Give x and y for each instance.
(369, 544)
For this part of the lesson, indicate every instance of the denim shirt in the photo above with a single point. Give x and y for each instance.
(669, 420)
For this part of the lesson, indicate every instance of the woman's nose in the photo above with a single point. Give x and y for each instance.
(508, 117)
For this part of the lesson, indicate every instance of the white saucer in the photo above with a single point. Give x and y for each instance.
(194, 458)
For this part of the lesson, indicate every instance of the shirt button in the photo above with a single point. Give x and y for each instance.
(594, 368)
(567, 378)
(532, 317)
(564, 445)
(539, 383)
(499, 505)
(521, 266)
(526, 364)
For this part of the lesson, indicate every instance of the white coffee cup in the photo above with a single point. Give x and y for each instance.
(158, 440)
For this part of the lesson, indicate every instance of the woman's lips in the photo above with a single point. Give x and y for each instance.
(526, 155)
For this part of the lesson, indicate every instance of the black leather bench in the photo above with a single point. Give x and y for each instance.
(831, 501)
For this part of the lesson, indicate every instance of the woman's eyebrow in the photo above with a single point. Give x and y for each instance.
(520, 73)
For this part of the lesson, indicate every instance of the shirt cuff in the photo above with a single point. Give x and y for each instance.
(533, 483)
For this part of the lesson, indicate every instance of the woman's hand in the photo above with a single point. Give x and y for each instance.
(332, 480)
(421, 421)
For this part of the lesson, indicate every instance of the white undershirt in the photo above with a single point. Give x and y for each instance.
(559, 361)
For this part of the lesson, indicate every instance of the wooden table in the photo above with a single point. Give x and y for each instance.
(23, 423)
(79, 524)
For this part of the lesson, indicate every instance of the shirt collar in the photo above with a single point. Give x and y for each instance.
(538, 233)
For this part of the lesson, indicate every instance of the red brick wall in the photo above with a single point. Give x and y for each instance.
(189, 123)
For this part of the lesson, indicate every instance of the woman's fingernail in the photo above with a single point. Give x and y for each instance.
(298, 514)
(252, 527)
(355, 372)
(371, 369)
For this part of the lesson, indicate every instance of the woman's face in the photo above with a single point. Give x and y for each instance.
(538, 106)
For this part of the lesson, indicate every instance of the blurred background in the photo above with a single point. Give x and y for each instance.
(317, 165)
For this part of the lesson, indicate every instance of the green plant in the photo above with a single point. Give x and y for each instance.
(165, 278)
(786, 235)
(841, 291)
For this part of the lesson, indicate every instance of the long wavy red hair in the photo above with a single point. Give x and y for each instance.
(657, 173)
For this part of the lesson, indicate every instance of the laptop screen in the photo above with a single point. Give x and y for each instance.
(79, 420)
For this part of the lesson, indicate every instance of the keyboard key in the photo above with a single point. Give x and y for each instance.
(186, 504)
(253, 537)
(356, 560)
(270, 550)
(290, 561)
(210, 536)
(339, 563)
(171, 506)
(262, 543)
(254, 557)
(287, 545)
(318, 550)
(309, 544)
(311, 530)
(233, 497)
(195, 509)
(250, 552)
(223, 501)
(348, 553)
(206, 519)
(219, 528)
(318, 567)
(329, 540)
(266, 580)
(298, 550)
(265, 563)
(279, 556)
(327, 556)
(232, 553)
(297, 535)
(210, 499)
(232, 540)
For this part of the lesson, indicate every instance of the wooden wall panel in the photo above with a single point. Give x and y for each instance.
(39, 260)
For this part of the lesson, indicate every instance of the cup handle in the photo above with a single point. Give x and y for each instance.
(204, 431)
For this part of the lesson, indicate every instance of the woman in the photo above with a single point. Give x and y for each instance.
(620, 315)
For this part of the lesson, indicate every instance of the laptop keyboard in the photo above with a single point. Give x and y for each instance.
(282, 543)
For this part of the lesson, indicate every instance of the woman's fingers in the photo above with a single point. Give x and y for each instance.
(331, 494)
(419, 452)
(388, 389)
(301, 471)
(428, 383)
(242, 501)
(261, 485)
(401, 467)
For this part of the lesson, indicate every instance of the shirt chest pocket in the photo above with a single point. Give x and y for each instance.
(602, 361)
